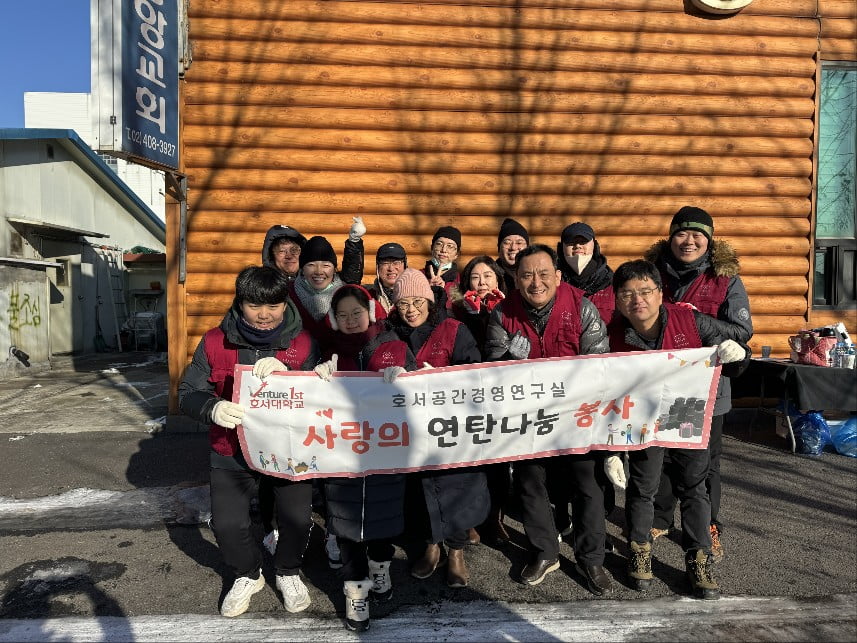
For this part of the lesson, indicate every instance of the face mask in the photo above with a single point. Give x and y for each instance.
(578, 262)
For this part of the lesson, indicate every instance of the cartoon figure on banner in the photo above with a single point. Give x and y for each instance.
(643, 432)
(313, 465)
(263, 460)
(611, 433)
(274, 463)
(628, 436)
(289, 466)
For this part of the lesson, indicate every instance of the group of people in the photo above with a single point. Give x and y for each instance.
(297, 311)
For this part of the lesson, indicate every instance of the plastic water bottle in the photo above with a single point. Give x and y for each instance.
(839, 353)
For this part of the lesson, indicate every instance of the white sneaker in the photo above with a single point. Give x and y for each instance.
(238, 599)
(331, 546)
(295, 595)
(270, 541)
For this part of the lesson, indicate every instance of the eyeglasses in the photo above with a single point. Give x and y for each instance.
(513, 243)
(352, 316)
(387, 263)
(417, 304)
(291, 251)
(627, 295)
(449, 247)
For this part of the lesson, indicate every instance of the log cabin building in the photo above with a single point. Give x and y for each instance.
(459, 112)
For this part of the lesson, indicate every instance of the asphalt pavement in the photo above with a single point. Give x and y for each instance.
(103, 510)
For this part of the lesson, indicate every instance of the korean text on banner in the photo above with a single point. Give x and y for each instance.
(297, 425)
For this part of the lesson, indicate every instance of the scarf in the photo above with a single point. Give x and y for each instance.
(316, 302)
(256, 336)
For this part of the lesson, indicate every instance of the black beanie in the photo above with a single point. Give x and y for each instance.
(510, 227)
(692, 218)
(448, 232)
(317, 249)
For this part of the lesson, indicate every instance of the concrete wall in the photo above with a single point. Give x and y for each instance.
(24, 318)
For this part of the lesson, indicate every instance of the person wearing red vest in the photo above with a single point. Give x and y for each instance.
(545, 317)
(702, 273)
(645, 322)
(584, 267)
(261, 328)
(364, 513)
(454, 500)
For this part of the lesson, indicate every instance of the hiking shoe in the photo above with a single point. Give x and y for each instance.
(270, 541)
(597, 580)
(382, 584)
(331, 547)
(640, 565)
(238, 599)
(295, 595)
(717, 551)
(700, 575)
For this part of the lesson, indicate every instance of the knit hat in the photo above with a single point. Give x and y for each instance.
(692, 218)
(331, 315)
(448, 232)
(577, 229)
(510, 227)
(412, 283)
(391, 251)
(317, 249)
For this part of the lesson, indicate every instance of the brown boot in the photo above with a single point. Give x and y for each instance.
(426, 565)
(456, 572)
(473, 536)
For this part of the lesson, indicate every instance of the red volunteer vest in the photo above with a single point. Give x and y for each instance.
(439, 346)
(561, 337)
(707, 292)
(391, 353)
(605, 302)
(681, 331)
(222, 357)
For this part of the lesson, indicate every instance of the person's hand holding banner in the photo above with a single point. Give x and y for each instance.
(730, 351)
(519, 346)
(615, 470)
(268, 365)
(227, 414)
(326, 369)
(392, 372)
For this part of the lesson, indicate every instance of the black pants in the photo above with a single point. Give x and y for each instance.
(576, 473)
(690, 468)
(665, 499)
(231, 493)
(355, 556)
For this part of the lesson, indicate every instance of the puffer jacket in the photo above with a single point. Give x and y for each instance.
(371, 507)
(732, 312)
(198, 390)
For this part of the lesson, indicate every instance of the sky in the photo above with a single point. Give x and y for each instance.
(44, 47)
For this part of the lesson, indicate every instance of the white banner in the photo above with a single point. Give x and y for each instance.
(299, 426)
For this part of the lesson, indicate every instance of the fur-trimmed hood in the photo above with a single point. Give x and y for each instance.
(722, 256)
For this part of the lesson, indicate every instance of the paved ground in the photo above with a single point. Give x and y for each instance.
(102, 515)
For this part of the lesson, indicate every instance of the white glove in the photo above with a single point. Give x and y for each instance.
(227, 414)
(519, 347)
(326, 369)
(391, 373)
(615, 470)
(426, 367)
(358, 229)
(268, 365)
(730, 351)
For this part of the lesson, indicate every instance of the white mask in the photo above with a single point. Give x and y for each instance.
(578, 262)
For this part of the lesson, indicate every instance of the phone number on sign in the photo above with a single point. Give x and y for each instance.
(151, 142)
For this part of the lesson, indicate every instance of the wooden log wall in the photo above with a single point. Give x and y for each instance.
(615, 112)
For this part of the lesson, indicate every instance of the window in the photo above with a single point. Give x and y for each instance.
(836, 201)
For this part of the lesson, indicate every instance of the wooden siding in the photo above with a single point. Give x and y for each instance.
(616, 112)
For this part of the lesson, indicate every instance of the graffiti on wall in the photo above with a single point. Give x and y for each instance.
(23, 309)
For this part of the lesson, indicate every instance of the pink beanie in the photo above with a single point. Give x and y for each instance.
(412, 283)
